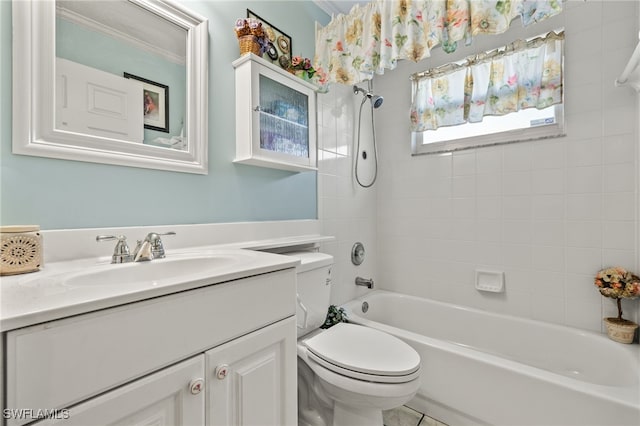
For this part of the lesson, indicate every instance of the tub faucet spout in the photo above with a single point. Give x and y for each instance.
(364, 282)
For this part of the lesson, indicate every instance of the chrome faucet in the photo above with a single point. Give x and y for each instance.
(148, 249)
(364, 282)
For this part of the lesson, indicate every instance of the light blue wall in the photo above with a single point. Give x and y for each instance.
(58, 194)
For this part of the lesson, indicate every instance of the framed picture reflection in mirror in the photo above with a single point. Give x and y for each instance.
(155, 104)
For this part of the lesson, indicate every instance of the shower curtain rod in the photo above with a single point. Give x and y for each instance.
(515, 46)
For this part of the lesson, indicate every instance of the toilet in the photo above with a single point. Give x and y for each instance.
(347, 374)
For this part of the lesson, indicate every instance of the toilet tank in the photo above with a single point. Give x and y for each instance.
(313, 288)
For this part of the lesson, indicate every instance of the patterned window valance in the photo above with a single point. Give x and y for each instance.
(372, 38)
(524, 74)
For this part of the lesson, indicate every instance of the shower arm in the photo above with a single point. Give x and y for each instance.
(357, 90)
(376, 100)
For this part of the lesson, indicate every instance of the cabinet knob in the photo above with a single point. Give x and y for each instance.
(196, 386)
(222, 371)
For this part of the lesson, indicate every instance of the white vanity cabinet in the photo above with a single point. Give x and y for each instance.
(275, 116)
(159, 361)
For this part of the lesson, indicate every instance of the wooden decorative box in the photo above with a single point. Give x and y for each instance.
(20, 249)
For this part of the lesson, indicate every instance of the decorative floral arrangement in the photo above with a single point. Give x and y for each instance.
(302, 66)
(334, 316)
(618, 283)
(252, 27)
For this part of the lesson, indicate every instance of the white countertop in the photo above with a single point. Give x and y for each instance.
(43, 296)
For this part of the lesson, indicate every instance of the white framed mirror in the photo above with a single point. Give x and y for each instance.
(148, 110)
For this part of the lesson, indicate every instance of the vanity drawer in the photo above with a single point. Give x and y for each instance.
(56, 364)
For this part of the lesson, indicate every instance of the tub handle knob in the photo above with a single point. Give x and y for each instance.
(304, 310)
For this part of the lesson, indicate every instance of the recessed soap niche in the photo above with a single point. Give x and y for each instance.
(491, 281)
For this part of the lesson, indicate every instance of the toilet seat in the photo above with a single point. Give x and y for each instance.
(364, 353)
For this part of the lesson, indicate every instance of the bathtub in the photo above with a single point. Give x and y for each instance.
(485, 368)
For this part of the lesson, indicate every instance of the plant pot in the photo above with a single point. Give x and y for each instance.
(301, 74)
(622, 331)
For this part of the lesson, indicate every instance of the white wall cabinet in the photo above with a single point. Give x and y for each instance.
(276, 124)
(137, 364)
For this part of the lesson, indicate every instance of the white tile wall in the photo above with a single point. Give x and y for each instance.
(549, 213)
(346, 211)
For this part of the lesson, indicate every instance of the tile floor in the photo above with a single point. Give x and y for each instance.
(405, 416)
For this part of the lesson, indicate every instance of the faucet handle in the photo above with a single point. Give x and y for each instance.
(121, 253)
(157, 248)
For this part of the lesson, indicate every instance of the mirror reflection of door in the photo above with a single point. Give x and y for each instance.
(97, 43)
(91, 101)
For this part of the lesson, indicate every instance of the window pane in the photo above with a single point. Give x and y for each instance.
(518, 126)
(522, 119)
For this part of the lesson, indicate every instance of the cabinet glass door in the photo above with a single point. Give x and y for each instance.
(284, 119)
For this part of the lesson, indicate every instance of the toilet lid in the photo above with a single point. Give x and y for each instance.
(346, 348)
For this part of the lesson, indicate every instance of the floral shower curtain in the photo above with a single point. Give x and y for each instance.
(371, 38)
(522, 75)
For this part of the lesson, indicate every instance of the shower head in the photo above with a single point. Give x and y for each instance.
(376, 100)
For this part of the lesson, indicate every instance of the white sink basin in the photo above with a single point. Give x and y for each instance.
(173, 269)
(151, 272)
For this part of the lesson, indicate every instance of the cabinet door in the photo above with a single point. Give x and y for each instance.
(284, 118)
(252, 380)
(164, 398)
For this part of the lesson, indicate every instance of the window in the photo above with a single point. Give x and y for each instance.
(526, 124)
(507, 95)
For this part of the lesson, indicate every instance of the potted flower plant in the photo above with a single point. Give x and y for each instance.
(618, 283)
(302, 67)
